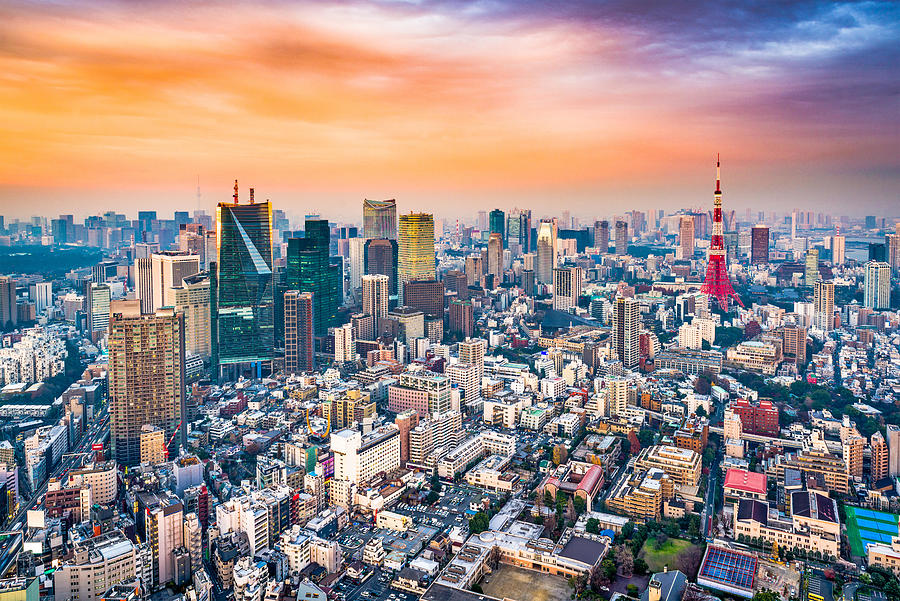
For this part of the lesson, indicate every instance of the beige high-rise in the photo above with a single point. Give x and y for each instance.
(146, 375)
(375, 295)
(823, 305)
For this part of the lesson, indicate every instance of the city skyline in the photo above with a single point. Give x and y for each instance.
(448, 107)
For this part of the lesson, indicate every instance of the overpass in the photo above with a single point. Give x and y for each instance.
(785, 442)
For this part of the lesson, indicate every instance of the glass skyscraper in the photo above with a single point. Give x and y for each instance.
(380, 219)
(415, 260)
(242, 286)
(309, 269)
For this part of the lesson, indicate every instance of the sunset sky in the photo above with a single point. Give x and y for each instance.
(452, 107)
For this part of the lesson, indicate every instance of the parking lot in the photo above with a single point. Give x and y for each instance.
(375, 588)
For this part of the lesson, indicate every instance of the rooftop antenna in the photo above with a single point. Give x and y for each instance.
(235, 192)
(251, 195)
(199, 197)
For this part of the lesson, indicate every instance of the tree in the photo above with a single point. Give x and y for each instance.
(479, 522)
(548, 498)
(597, 579)
(766, 595)
(432, 498)
(688, 561)
(560, 454)
(476, 588)
(608, 567)
(635, 443)
(625, 561)
(570, 509)
(640, 566)
(593, 526)
(693, 592)
(578, 584)
(632, 590)
(646, 437)
(661, 540)
(580, 504)
(627, 530)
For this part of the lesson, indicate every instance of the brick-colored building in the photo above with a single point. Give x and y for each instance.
(758, 418)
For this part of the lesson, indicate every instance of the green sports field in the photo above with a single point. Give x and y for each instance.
(866, 526)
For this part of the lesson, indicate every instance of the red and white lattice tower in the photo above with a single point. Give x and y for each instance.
(717, 284)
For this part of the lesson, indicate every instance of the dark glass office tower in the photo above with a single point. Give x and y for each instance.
(309, 269)
(380, 257)
(498, 224)
(242, 286)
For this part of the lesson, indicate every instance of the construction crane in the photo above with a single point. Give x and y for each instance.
(178, 427)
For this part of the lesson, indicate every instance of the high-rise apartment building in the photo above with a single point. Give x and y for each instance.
(567, 285)
(8, 312)
(146, 376)
(823, 305)
(880, 465)
(299, 332)
(877, 287)
(893, 447)
(191, 298)
(838, 249)
(686, 237)
(380, 219)
(41, 294)
(160, 522)
(461, 321)
(309, 269)
(344, 344)
(626, 327)
(415, 259)
(472, 351)
(601, 236)
(759, 245)
(621, 237)
(546, 253)
(242, 303)
(94, 565)
(375, 295)
(380, 258)
(892, 250)
(168, 269)
(465, 377)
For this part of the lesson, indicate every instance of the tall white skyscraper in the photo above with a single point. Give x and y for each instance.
(893, 443)
(567, 284)
(357, 248)
(877, 290)
(375, 296)
(626, 331)
(168, 269)
(823, 305)
(344, 344)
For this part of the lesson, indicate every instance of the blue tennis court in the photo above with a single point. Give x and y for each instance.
(869, 524)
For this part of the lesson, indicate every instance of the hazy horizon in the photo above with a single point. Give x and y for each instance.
(449, 107)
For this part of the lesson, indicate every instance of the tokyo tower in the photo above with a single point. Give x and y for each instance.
(717, 284)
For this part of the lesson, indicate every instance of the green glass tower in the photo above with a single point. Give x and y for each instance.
(242, 286)
(309, 269)
(498, 224)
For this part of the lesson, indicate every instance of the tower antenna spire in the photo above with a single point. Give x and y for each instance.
(235, 192)
(718, 176)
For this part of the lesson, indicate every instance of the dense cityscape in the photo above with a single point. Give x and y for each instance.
(247, 406)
